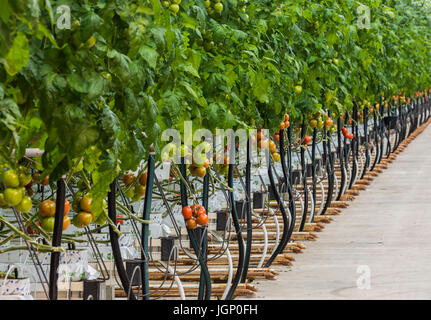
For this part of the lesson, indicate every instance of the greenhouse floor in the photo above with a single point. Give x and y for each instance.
(378, 248)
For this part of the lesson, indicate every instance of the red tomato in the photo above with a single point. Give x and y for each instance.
(198, 210)
(66, 207)
(307, 140)
(202, 220)
(187, 212)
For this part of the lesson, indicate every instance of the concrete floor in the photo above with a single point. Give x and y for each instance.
(385, 233)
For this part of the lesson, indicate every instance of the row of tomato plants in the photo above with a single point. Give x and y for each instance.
(96, 96)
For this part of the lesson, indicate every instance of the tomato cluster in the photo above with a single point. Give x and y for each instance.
(195, 215)
(214, 6)
(346, 134)
(46, 215)
(17, 190)
(136, 187)
(173, 5)
(85, 215)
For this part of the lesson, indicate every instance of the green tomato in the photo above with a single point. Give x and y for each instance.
(206, 147)
(174, 8)
(3, 203)
(25, 205)
(298, 89)
(130, 193)
(176, 1)
(13, 196)
(207, 3)
(136, 198)
(183, 151)
(218, 7)
(76, 204)
(48, 224)
(107, 76)
(11, 179)
(101, 220)
(24, 179)
(76, 222)
(169, 152)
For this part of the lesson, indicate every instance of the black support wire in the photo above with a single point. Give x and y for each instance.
(56, 239)
(145, 227)
(116, 252)
(196, 247)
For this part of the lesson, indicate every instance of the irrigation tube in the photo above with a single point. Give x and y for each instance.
(287, 229)
(277, 230)
(237, 226)
(313, 170)
(230, 274)
(304, 178)
(204, 253)
(145, 227)
(329, 162)
(292, 210)
(56, 239)
(341, 158)
(367, 155)
(116, 252)
(248, 213)
(285, 235)
(353, 146)
(195, 245)
(177, 280)
(376, 139)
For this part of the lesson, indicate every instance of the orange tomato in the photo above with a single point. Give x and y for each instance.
(66, 207)
(66, 222)
(286, 117)
(86, 204)
(202, 220)
(143, 178)
(272, 146)
(262, 144)
(206, 163)
(45, 181)
(191, 224)
(187, 212)
(129, 178)
(140, 190)
(47, 208)
(198, 210)
(84, 218)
